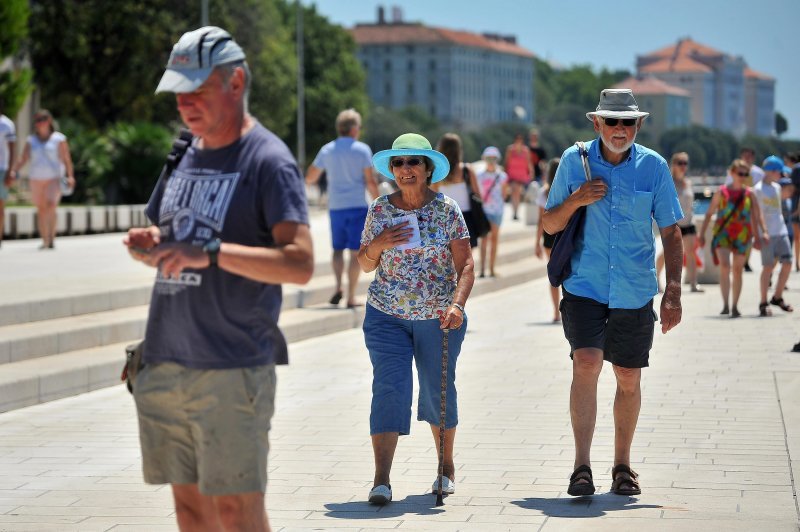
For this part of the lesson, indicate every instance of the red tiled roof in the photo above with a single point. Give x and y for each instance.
(419, 34)
(750, 73)
(685, 47)
(677, 64)
(650, 86)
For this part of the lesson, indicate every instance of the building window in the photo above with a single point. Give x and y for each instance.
(387, 89)
(410, 88)
(432, 88)
(410, 49)
(387, 65)
(432, 64)
(411, 65)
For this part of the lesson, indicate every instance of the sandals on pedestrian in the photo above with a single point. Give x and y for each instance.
(624, 485)
(796, 348)
(581, 482)
(764, 310)
(781, 303)
(336, 298)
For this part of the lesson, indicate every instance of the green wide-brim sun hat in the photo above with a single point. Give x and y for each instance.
(411, 144)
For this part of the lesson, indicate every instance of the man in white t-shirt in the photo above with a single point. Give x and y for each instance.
(748, 155)
(776, 247)
(8, 145)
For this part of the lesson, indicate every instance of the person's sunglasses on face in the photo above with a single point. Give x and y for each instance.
(627, 122)
(400, 162)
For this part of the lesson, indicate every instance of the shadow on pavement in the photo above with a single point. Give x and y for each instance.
(592, 506)
(412, 504)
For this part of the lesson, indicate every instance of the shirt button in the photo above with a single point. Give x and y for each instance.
(613, 227)
(612, 267)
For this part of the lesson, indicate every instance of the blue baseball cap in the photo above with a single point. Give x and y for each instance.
(773, 163)
(194, 57)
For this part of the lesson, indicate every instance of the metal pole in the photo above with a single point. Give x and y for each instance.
(301, 104)
(203, 13)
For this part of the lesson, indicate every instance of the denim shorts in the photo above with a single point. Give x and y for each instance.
(393, 343)
(346, 227)
(205, 427)
(496, 219)
(624, 335)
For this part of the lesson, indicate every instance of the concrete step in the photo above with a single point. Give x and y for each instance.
(53, 359)
(135, 290)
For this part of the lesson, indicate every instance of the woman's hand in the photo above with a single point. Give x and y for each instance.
(538, 250)
(452, 318)
(701, 241)
(391, 237)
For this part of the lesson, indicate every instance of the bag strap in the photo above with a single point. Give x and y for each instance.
(489, 191)
(736, 205)
(584, 159)
(179, 147)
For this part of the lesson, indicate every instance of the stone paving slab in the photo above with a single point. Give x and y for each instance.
(719, 428)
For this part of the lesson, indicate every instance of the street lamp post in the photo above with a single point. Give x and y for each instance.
(301, 107)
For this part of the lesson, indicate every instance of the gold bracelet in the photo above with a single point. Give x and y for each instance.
(370, 258)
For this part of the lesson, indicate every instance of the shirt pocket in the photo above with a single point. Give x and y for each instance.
(642, 206)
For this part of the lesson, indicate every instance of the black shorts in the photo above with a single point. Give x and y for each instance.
(624, 335)
(688, 230)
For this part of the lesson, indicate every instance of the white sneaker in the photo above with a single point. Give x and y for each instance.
(380, 494)
(448, 486)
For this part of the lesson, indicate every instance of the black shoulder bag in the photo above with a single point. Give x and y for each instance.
(482, 225)
(134, 351)
(560, 265)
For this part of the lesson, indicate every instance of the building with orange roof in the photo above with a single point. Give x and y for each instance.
(668, 105)
(723, 95)
(463, 79)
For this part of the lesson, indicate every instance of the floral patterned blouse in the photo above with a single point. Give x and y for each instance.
(417, 283)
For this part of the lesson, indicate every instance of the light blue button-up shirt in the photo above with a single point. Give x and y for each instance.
(614, 259)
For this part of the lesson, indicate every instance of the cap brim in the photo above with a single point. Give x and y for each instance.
(617, 114)
(381, 162)
(183, 80)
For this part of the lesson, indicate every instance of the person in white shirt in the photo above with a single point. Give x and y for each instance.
(776, 247)
(8, 144)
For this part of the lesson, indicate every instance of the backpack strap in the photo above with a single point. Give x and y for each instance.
(584, 159)
(179, 147)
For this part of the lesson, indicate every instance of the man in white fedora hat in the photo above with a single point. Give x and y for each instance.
(607, 306)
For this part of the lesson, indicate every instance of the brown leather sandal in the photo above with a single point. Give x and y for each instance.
(622, 485)
(576, 487)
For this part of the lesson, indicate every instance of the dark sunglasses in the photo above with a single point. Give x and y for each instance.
(742, 174)
(627, 122)
(398, 163)
(40, 119)
(682, 163)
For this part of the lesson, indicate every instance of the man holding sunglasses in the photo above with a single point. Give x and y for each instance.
(607, 306)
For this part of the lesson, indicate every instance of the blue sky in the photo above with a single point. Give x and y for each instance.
(766, 33)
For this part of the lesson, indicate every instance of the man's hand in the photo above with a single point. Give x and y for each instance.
(590, 192)
(173, 258)
(671, 309)
(140, 241)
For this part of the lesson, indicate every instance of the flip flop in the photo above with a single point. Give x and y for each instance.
(336, 298)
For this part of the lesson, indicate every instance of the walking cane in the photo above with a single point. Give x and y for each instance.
(442, 412)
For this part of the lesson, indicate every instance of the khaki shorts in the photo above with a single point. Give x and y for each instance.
(205, 427)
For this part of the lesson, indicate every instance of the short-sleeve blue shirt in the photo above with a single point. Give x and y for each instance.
(344, 161)
(614, 259)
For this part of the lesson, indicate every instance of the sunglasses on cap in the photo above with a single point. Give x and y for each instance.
(413, 161)
(627, 122)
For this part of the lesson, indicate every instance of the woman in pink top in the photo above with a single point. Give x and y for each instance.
(519, 170)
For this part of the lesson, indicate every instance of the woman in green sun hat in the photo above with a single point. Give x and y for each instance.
(417, 243)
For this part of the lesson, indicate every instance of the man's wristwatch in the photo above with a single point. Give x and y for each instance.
(212, 250)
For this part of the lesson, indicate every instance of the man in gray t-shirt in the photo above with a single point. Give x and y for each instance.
(348, 165)
(230, 225)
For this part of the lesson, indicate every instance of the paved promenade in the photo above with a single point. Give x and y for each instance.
(719, 428)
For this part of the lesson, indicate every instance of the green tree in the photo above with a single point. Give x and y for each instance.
(15, 83)
(781, 124)
(334, 79)
(99, 61)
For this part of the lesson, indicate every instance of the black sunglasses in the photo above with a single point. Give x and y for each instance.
(627, 122)
(682, 163)
(742, 174)
(40, 119)
(398, 163)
